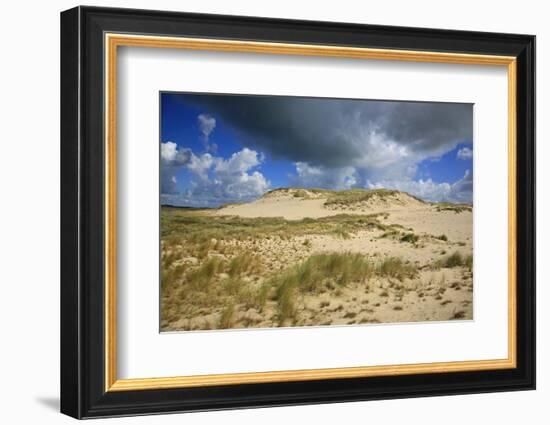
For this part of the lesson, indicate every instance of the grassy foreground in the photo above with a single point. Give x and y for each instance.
(217, 272)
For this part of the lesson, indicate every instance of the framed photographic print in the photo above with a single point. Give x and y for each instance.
(261, 212)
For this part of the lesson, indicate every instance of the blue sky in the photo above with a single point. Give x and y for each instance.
(217, 149)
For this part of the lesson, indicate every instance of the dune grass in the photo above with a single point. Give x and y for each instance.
(230, 286)
(212, 276)
(312, 274)
(299, 192)
(338, 197)
(244, 263)
(390, 234)
(315, 275)
(201, 277)
(456, 208)
(352, 196)
(330, 272)
(456, 259)
(395, 267)
(409, 237)
(199, 233)
(227, 317)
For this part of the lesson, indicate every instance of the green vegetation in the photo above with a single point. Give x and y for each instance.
(300, 193)
(453, 260)
(285, 302)
(352, 196)
(468, 261)
(221, 272)
(448, 206)
(396, 268)
(325, 272)
(203, 232)
(205, 286)
(202, 277)
(227, 317)
(456, 259)
(243, 264)
(320, 271)
(339, 197)
(409, 237)
(390, 234)
(341, 232)
(461, 314)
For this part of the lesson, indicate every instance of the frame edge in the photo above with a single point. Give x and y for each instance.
(70, 362)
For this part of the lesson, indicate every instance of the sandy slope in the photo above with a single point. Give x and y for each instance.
(295, 208)
(291, 209)
(402, 209)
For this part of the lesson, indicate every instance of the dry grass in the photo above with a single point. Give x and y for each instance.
(202, 277)
(323, 271)
(409, 237)
(456, 259)
(456, 208)
(396, 268)
(195, 231)
(205, 286)
(212, 276)
(245, 263)
(285, 302)
(227, 317)
(352, 196)
(457, 315)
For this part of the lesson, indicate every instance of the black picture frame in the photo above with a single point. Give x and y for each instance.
(83, 392)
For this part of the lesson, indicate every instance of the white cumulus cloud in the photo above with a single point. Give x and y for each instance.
(168, 151)
(459, 191)
(207, 124)
(234, 176)
(239, 162)
(318, 176)
(464, 153)
(201, 164)
(218, 180)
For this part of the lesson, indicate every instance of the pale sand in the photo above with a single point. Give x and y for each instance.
(420, 218)
(292, 208)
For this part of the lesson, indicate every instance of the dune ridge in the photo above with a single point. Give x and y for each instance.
(297, 203)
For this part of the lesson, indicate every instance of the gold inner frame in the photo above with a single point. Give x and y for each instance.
(113, 41)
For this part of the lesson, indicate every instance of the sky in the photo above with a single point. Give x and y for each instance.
(221, 148)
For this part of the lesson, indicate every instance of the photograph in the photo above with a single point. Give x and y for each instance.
(286, 210)
(281, 211)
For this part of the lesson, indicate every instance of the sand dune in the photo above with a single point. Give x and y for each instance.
(402, 209)
(296, 204)
(433, 244)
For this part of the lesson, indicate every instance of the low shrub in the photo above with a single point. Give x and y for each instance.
(409, 237)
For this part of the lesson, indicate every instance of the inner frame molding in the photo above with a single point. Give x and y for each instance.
(111, 43)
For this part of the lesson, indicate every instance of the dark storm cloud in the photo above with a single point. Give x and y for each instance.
(337, 133)
(428, 126)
